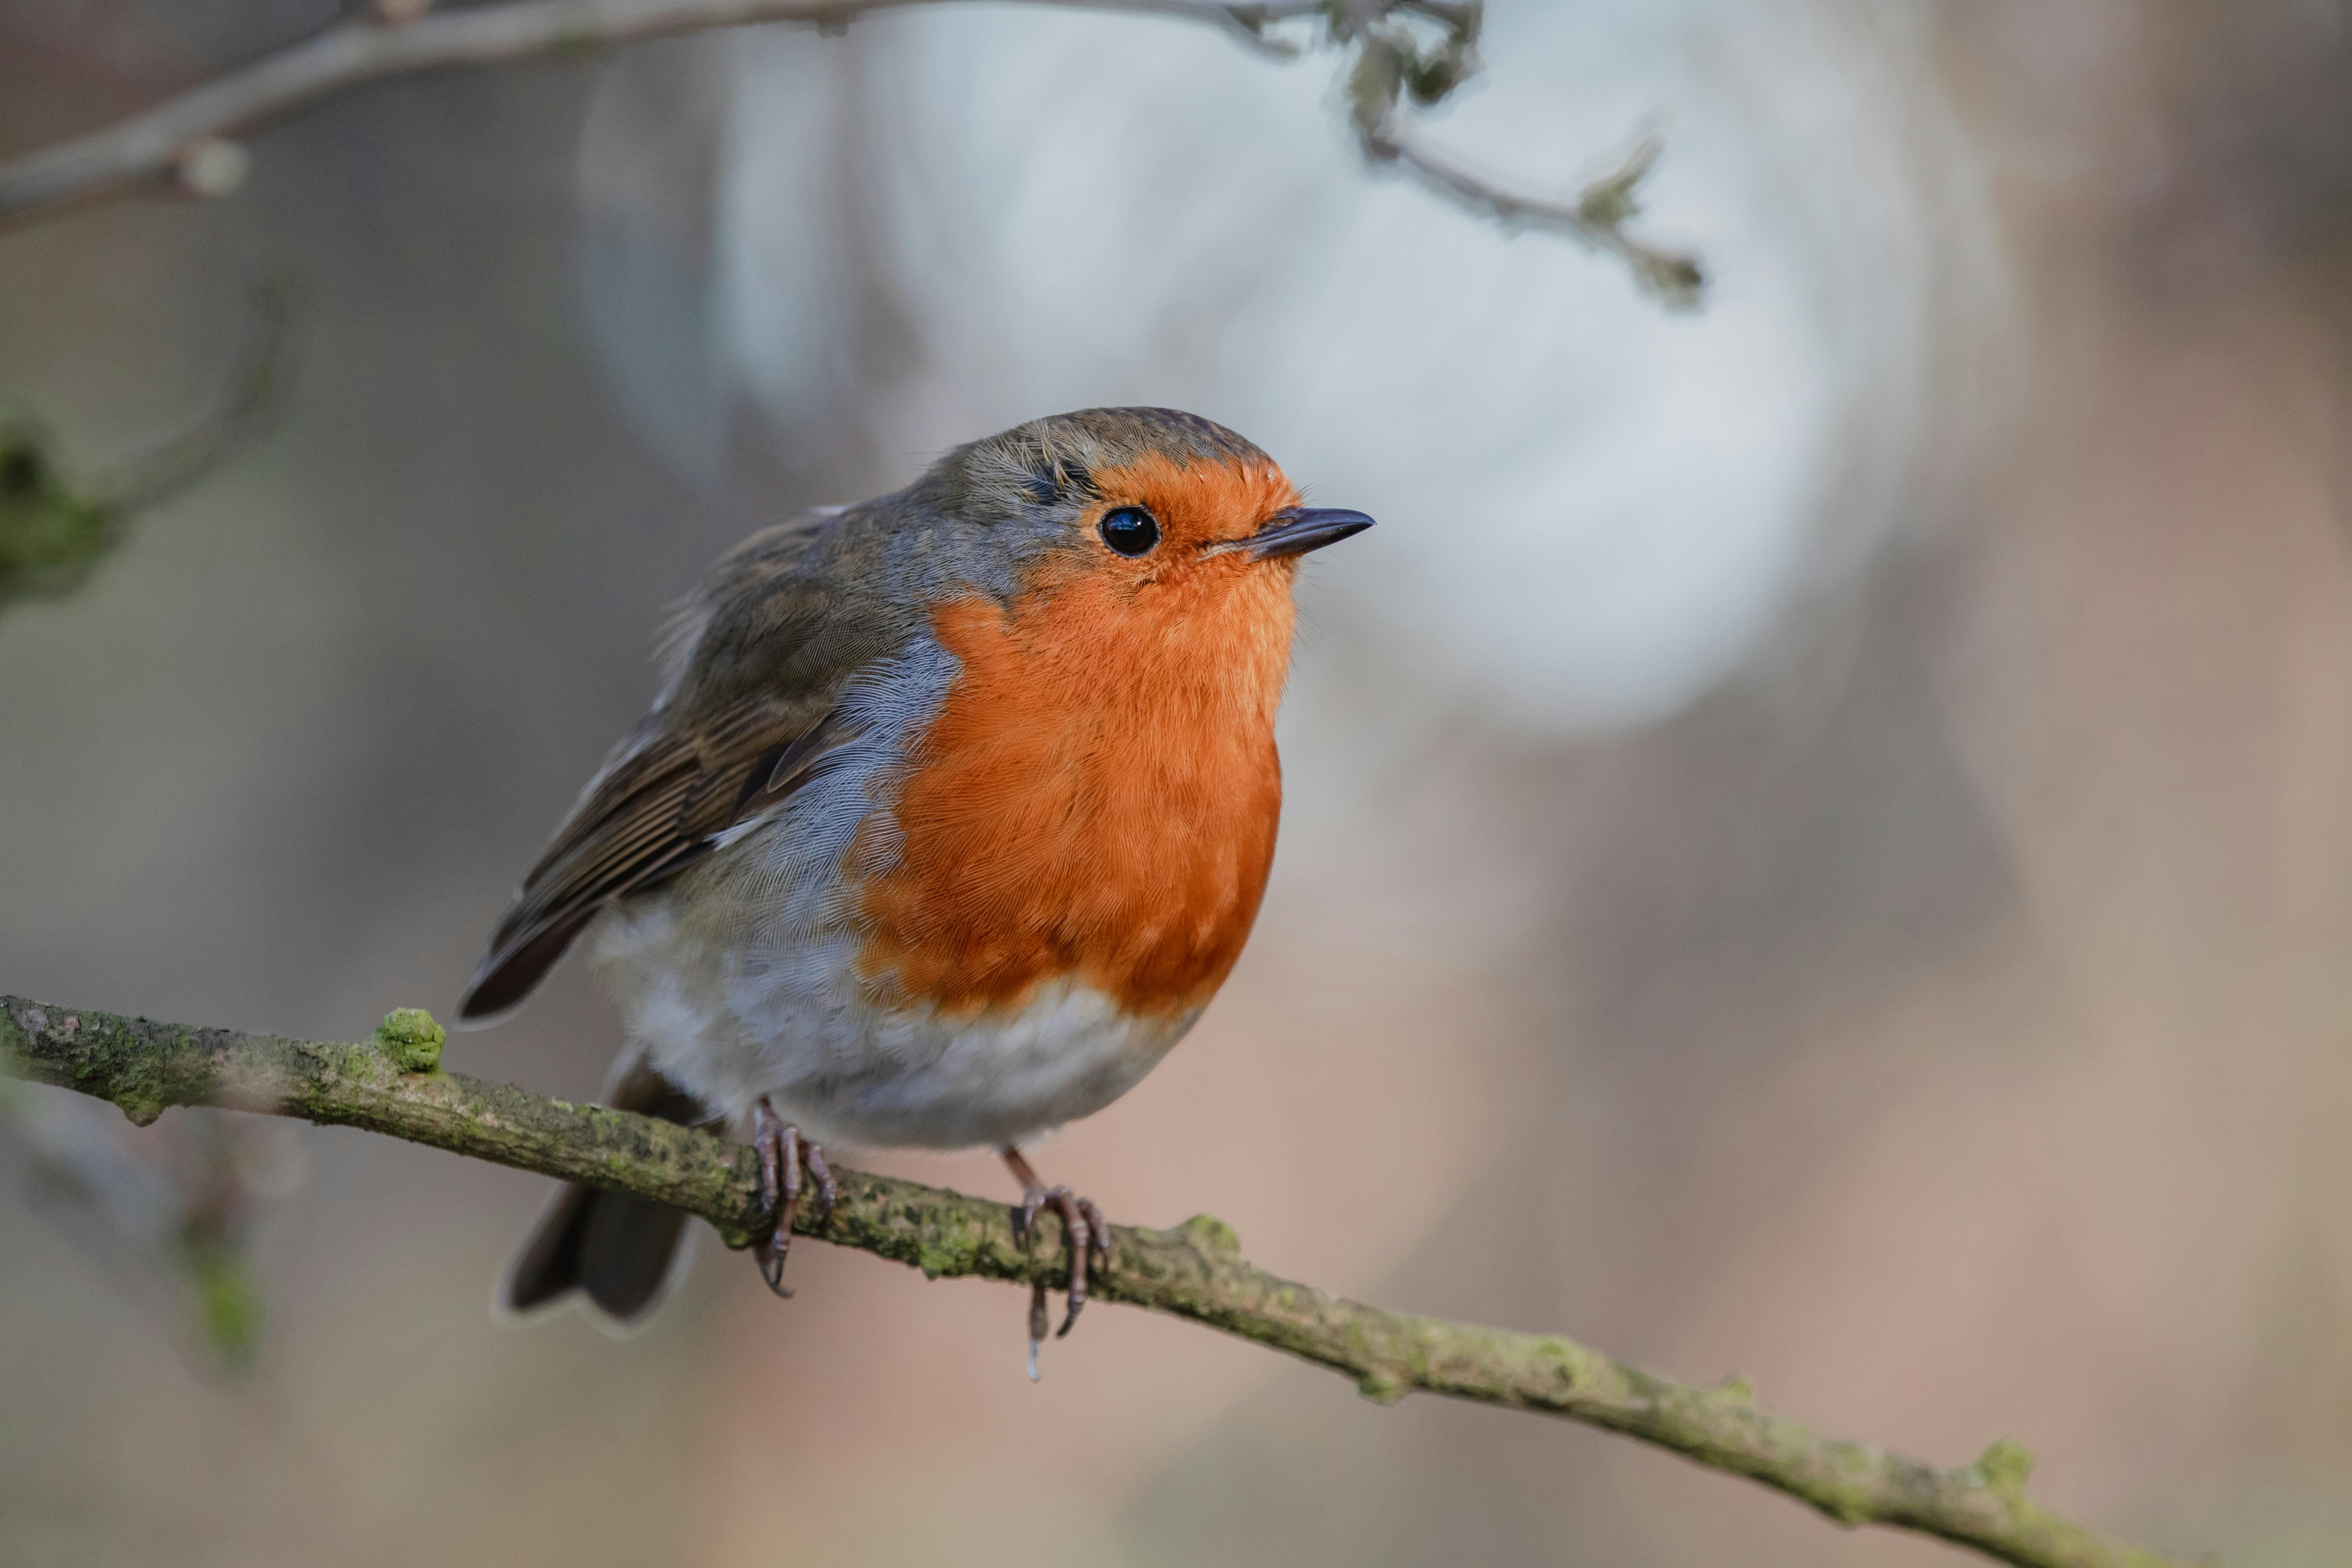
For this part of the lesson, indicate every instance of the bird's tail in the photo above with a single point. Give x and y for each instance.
(617, 1255)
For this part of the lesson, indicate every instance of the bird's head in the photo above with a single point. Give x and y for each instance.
(1149, 511)
(1123, 554)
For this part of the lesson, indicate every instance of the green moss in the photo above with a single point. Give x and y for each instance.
(1211, 1235)
(410, 1037)
(51, 534)
(945, 1251)
(1387, 1365)
(2006, 1467)
(228, 1307)
(137, 1069)
(1570, 1361)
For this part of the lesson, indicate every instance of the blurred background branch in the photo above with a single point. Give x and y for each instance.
(53, 531)
(167, 1221)
(187, 144)
(394, 1085)
(56, 526)
(1393, 64)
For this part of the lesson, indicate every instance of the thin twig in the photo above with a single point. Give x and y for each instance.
(185, 144)
(1195, 1270)
(1393, 64)
(1597, 216)
(209, 437)
(173, 143)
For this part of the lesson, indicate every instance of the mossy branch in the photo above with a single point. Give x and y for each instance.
(394, 1085)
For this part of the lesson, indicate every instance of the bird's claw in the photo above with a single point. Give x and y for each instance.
(1089, 1242)
(784, 1153)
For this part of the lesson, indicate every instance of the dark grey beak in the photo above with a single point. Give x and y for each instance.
(1296, 529)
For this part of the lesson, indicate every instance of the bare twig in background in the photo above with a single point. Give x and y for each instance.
(186, 143)
(265, 363)
(166, 1219)
(55, 529)
(394, 1085)
(1393, 64)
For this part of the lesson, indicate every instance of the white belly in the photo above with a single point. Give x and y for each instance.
(730, 1020)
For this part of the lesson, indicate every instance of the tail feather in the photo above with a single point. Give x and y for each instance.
(617, 1254)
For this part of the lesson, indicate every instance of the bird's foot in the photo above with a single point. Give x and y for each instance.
(1088, 1235)
(783, 1155)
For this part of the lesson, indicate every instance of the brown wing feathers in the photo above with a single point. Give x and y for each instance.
(655, 810)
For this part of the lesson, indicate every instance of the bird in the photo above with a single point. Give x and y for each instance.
(954, 810)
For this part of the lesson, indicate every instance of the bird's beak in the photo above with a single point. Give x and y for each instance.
(1295, 530)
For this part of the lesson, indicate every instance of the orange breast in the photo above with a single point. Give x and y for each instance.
(1096, 798)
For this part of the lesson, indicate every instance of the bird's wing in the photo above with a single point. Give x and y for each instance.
(763, 648)
(659, 805)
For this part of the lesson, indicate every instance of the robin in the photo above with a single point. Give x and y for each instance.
(953, 816)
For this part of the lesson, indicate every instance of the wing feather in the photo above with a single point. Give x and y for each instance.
(659, 805)
(760, 655)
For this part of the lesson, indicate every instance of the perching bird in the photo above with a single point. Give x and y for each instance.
(952, 818)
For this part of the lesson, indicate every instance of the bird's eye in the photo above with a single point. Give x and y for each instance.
(1130, 530)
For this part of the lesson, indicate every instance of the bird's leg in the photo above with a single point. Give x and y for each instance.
(828, 1191)
(1082, 1224)
(782, 1153)
(779, 1144)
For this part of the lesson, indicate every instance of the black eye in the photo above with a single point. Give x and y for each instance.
(1130, 530)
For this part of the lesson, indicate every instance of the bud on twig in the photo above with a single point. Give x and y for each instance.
(213, 167)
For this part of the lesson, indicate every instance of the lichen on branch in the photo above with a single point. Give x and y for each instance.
(53, 532)
(391, 1084)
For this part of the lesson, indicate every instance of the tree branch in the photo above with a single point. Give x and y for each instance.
(55, 527)
(394, 1085)
(1597, 216)
(175, 143)
(1393, 64)
(185, 144)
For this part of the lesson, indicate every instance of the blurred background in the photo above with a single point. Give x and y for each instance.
(1819, 841)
